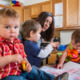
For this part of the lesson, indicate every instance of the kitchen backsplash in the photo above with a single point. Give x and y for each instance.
(65, 36)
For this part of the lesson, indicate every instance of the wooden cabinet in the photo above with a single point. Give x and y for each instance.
(79, 13)
(71, 13)
(58, 0)
(47, 6)
(35, 10)
(2, 6)
(19, 10)
(69, 19)
(27, 13)
(52, 58)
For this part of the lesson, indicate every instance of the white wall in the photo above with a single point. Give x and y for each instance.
(4, 2)
(24, 2)
(65, 36)
(30, 2)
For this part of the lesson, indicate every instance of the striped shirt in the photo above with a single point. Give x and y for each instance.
(9, 48)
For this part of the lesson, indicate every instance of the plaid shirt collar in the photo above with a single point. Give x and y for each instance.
(5, 40)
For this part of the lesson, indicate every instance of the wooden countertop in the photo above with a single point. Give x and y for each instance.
(54, 52)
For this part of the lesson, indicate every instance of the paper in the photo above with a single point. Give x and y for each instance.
(72, 68)
(51, 70)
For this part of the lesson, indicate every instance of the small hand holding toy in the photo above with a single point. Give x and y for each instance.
(23, 65)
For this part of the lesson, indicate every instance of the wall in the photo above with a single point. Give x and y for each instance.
(4, 2)
(24, 2)
(65, 36)
(30, 2)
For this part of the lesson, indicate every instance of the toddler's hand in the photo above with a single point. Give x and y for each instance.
(28, 67)
(55, 44)
(59, 66)
(17, 58)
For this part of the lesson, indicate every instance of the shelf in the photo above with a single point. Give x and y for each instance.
(68, 28)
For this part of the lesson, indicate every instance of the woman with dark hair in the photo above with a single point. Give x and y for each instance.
(47, 22)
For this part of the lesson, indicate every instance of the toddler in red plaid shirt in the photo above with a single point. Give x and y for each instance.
(12, 52)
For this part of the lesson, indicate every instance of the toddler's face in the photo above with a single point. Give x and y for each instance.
(75, 45)
(36, 36)
(9, 28)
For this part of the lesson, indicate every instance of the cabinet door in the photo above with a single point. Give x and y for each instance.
(3, 6)
(52, 58)
(27, 13)
(47, 6)
(70, 13)
(35, 10)
(58, 0)
(79, 13)
(19, 10)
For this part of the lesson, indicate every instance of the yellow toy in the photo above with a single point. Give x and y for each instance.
(23, 65)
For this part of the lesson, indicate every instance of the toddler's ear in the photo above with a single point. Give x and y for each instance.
(31, 33)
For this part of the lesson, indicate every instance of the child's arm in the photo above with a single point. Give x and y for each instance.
(4, 60)
(28, 67)
(63, 57)
(48, 49)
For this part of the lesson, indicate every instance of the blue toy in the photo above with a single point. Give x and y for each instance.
(62, 47)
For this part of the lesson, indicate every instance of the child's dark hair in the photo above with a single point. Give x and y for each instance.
(8, 12)
(48, 34)
(76, 36)
(28, 26)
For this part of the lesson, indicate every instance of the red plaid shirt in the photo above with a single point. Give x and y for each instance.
(8, 48)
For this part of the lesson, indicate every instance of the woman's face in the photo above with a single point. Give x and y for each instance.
(47, 23)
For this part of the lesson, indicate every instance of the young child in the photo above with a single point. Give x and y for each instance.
(31, 32)
(72, 52)
(12, 52)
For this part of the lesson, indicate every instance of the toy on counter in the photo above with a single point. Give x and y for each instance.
(23, 65)
(62, 47)
(73, 55)
(15, 3)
